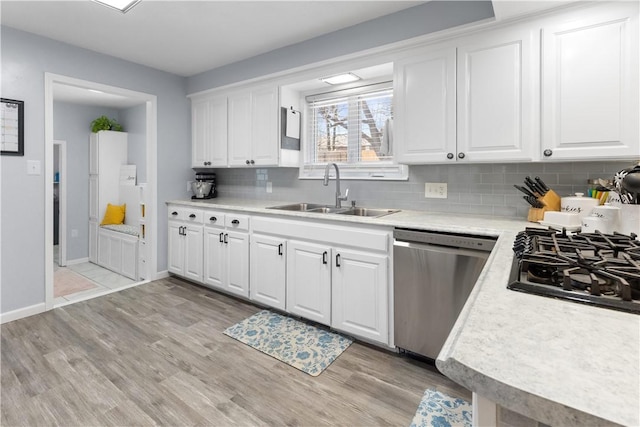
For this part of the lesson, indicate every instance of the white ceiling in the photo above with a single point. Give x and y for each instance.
(189, 37)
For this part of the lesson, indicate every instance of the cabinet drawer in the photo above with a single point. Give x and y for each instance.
(237, 222)
(186, 214)
(214, 219)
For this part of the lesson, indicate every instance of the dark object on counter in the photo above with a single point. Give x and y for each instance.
(524, 190)
(602, 270)
(542, 185)
(533, 201)
(204, 187)
(534, 186)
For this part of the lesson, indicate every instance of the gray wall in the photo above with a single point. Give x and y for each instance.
(413, 22)
(134, 122)
(72, 123)
(476, 189)
(25, 59)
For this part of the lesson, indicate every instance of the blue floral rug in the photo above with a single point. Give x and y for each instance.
(438, 409)
(305, 347)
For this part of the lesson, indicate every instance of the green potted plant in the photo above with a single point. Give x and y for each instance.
(105, 123)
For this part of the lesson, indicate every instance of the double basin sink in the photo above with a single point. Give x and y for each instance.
(324, 209)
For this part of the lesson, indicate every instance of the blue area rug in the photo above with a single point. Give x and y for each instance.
(438, 409)
(305, 347)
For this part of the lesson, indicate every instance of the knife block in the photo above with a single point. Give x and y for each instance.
(550, 202)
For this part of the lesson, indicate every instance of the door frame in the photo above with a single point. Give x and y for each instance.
(151, 196)
(62, 202)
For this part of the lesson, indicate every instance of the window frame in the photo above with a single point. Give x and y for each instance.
(387, 169)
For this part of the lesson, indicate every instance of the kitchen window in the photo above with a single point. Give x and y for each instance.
(353, 128)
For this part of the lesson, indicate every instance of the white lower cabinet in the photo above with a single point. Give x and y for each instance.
(359, 296)
(226, 253)
(185, 250)
(309, 281)
(268, 270)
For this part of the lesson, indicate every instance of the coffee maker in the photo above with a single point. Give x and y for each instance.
(204, 187)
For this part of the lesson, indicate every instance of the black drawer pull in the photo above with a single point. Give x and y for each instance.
(213, 219)
(192, 216)
(174, 213)
(235, 222)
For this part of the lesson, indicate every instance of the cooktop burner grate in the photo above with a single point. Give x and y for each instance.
(592, 268)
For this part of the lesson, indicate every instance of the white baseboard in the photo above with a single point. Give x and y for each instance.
(22, 312)
(161, 275)
(77, 261)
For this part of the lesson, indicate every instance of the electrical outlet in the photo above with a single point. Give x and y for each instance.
(435, 190)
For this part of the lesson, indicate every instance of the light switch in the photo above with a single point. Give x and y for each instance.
(33, 167)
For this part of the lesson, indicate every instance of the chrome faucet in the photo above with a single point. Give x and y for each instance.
(339, 197)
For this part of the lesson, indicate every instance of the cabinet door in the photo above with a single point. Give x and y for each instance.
(268, 268)
(497, 96)
(193, 252)
(104, 250)
(265, 114)
(129, 258)
(239, 129)
(93, 154)
(237, 263)
(176, 249)
(425, 107)
(360, 294)
(590, 85)
(218, 131)
(309, 281)
(200, 133)
(214, 257)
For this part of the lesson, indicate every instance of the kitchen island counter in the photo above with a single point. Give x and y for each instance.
(558, 362)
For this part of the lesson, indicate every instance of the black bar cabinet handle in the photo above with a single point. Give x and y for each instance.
(225, 238)
(280, 249)
(324, 257)
(337, 260)
(221, 235)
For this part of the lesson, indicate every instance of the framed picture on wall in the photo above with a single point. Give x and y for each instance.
(11, 127)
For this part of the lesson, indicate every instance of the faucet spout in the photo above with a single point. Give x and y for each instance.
(339, 197)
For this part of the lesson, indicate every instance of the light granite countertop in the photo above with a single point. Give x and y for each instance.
(558, 362)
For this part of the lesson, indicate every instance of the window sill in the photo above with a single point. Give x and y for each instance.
(388, 172)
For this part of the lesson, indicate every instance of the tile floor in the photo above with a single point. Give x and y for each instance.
(105, 280)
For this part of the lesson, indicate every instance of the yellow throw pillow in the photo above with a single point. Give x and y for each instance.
(114, 214)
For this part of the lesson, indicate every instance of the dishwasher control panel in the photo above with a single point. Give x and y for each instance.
(466, 241)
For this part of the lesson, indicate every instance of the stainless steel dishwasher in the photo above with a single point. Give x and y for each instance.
(434, 274)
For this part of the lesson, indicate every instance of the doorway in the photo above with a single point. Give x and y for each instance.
(60, 203)
(53, 83)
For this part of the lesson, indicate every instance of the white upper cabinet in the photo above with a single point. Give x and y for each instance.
(497, 93)
(253, 127)
(474, 101)
(425, 106)
(590, 84)
(209, 132)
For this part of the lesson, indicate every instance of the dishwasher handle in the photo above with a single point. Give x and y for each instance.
(478, 253)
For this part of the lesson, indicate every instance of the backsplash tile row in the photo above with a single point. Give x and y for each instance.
(472, 188)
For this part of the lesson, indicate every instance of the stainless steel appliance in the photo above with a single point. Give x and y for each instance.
(204, 187)
(434, 274)
(602, 270)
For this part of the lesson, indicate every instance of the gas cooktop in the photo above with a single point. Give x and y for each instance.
(602, 270)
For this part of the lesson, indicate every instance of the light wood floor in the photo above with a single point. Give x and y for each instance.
(155, 354)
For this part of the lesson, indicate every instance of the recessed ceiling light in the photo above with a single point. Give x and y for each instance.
(121, 5)
(340, 78)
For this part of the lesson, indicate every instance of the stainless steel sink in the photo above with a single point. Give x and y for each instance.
(300, 207)
(324, 209)
(375, 213)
